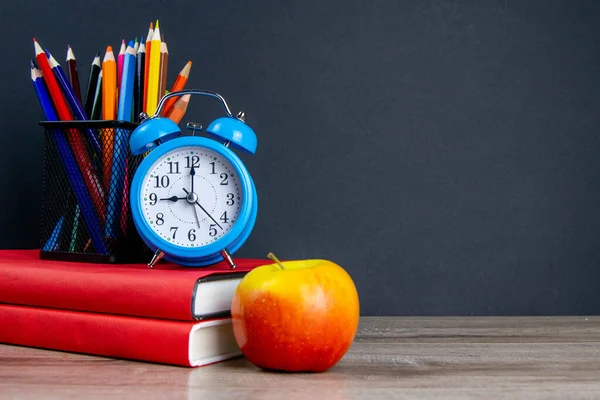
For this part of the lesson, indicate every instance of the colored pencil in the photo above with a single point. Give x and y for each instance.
(97, 105)
(75, 229)
(52, 242)
(43, 97)
(178, 111)
(147, 65)
(62, 109)
(164, 63)
(64, 114)
(120, 58)
(75, 104)
(125, 202)
(73, 76)
(73, 73)
(109, 107)
(74, 175)
(138, 93)
(154, 72)
(92, 83)
(50, 114)
(179, 84)
(128, 77)
(120, 147)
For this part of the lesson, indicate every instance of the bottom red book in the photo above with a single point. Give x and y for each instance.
(189, 344)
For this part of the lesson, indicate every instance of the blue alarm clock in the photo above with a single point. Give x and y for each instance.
(193, 201)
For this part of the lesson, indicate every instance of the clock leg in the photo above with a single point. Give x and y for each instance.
(156, 258)
(227, 257)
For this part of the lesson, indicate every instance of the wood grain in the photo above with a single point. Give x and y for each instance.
(392, 358)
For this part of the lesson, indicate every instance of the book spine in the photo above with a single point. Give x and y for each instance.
(149, 340)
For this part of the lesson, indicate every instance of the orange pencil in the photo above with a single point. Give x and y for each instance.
(164, 62)
(179, 84)
(109, 109)
(178, 111)
(147, 64)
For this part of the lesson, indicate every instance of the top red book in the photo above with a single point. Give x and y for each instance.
(167, 291)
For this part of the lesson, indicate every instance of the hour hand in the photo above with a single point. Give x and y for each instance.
(173, 198)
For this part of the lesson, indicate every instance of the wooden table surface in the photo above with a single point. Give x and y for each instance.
(392, 358)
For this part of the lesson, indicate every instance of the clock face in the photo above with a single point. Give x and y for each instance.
(191, 196)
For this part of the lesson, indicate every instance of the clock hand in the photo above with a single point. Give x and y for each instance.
(202, 208)
(173, 198)
(196, 215)
(192, 174)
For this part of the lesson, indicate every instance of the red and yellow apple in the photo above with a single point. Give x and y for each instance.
(299, 315)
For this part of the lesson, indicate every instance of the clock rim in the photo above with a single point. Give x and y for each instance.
(152, 239)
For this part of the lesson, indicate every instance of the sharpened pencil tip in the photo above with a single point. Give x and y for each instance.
(32, 64)
(109, 49)
(131, 44)
(156, 24)
(34, 39)
(98, 53)
(151, 26)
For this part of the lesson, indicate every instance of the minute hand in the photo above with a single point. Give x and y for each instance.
(206, 212)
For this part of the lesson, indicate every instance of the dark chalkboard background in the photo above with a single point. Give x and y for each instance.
(446, 153)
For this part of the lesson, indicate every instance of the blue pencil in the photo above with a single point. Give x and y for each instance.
(115, 192)
(52, 242)
(74, 102)
(68, 160)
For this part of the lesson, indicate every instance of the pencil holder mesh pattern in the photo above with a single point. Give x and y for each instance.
(85, 213)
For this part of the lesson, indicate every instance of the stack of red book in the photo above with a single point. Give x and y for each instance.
(169, 314)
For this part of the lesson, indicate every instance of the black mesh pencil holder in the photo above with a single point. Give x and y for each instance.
(85, 214)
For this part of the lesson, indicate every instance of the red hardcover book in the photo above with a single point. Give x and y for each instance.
(189, 344)
(167, 291)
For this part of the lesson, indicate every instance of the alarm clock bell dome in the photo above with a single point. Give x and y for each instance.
(235, 131)
(152, 133)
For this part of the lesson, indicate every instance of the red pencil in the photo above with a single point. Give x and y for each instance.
(64, 113)
(62, 109)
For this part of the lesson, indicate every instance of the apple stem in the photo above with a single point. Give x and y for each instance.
(274, 258)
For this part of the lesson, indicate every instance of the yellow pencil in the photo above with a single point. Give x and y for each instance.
(154, 72)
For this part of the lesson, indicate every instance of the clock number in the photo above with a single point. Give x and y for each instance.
(161, 181)
(174, 230)
(213, 230)
(224, 177)
(213, 168)
(173, 167)
(224, 217)
(192, 235)
(230, 200)
(192, 161)
(160, 219)
(153, 199)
